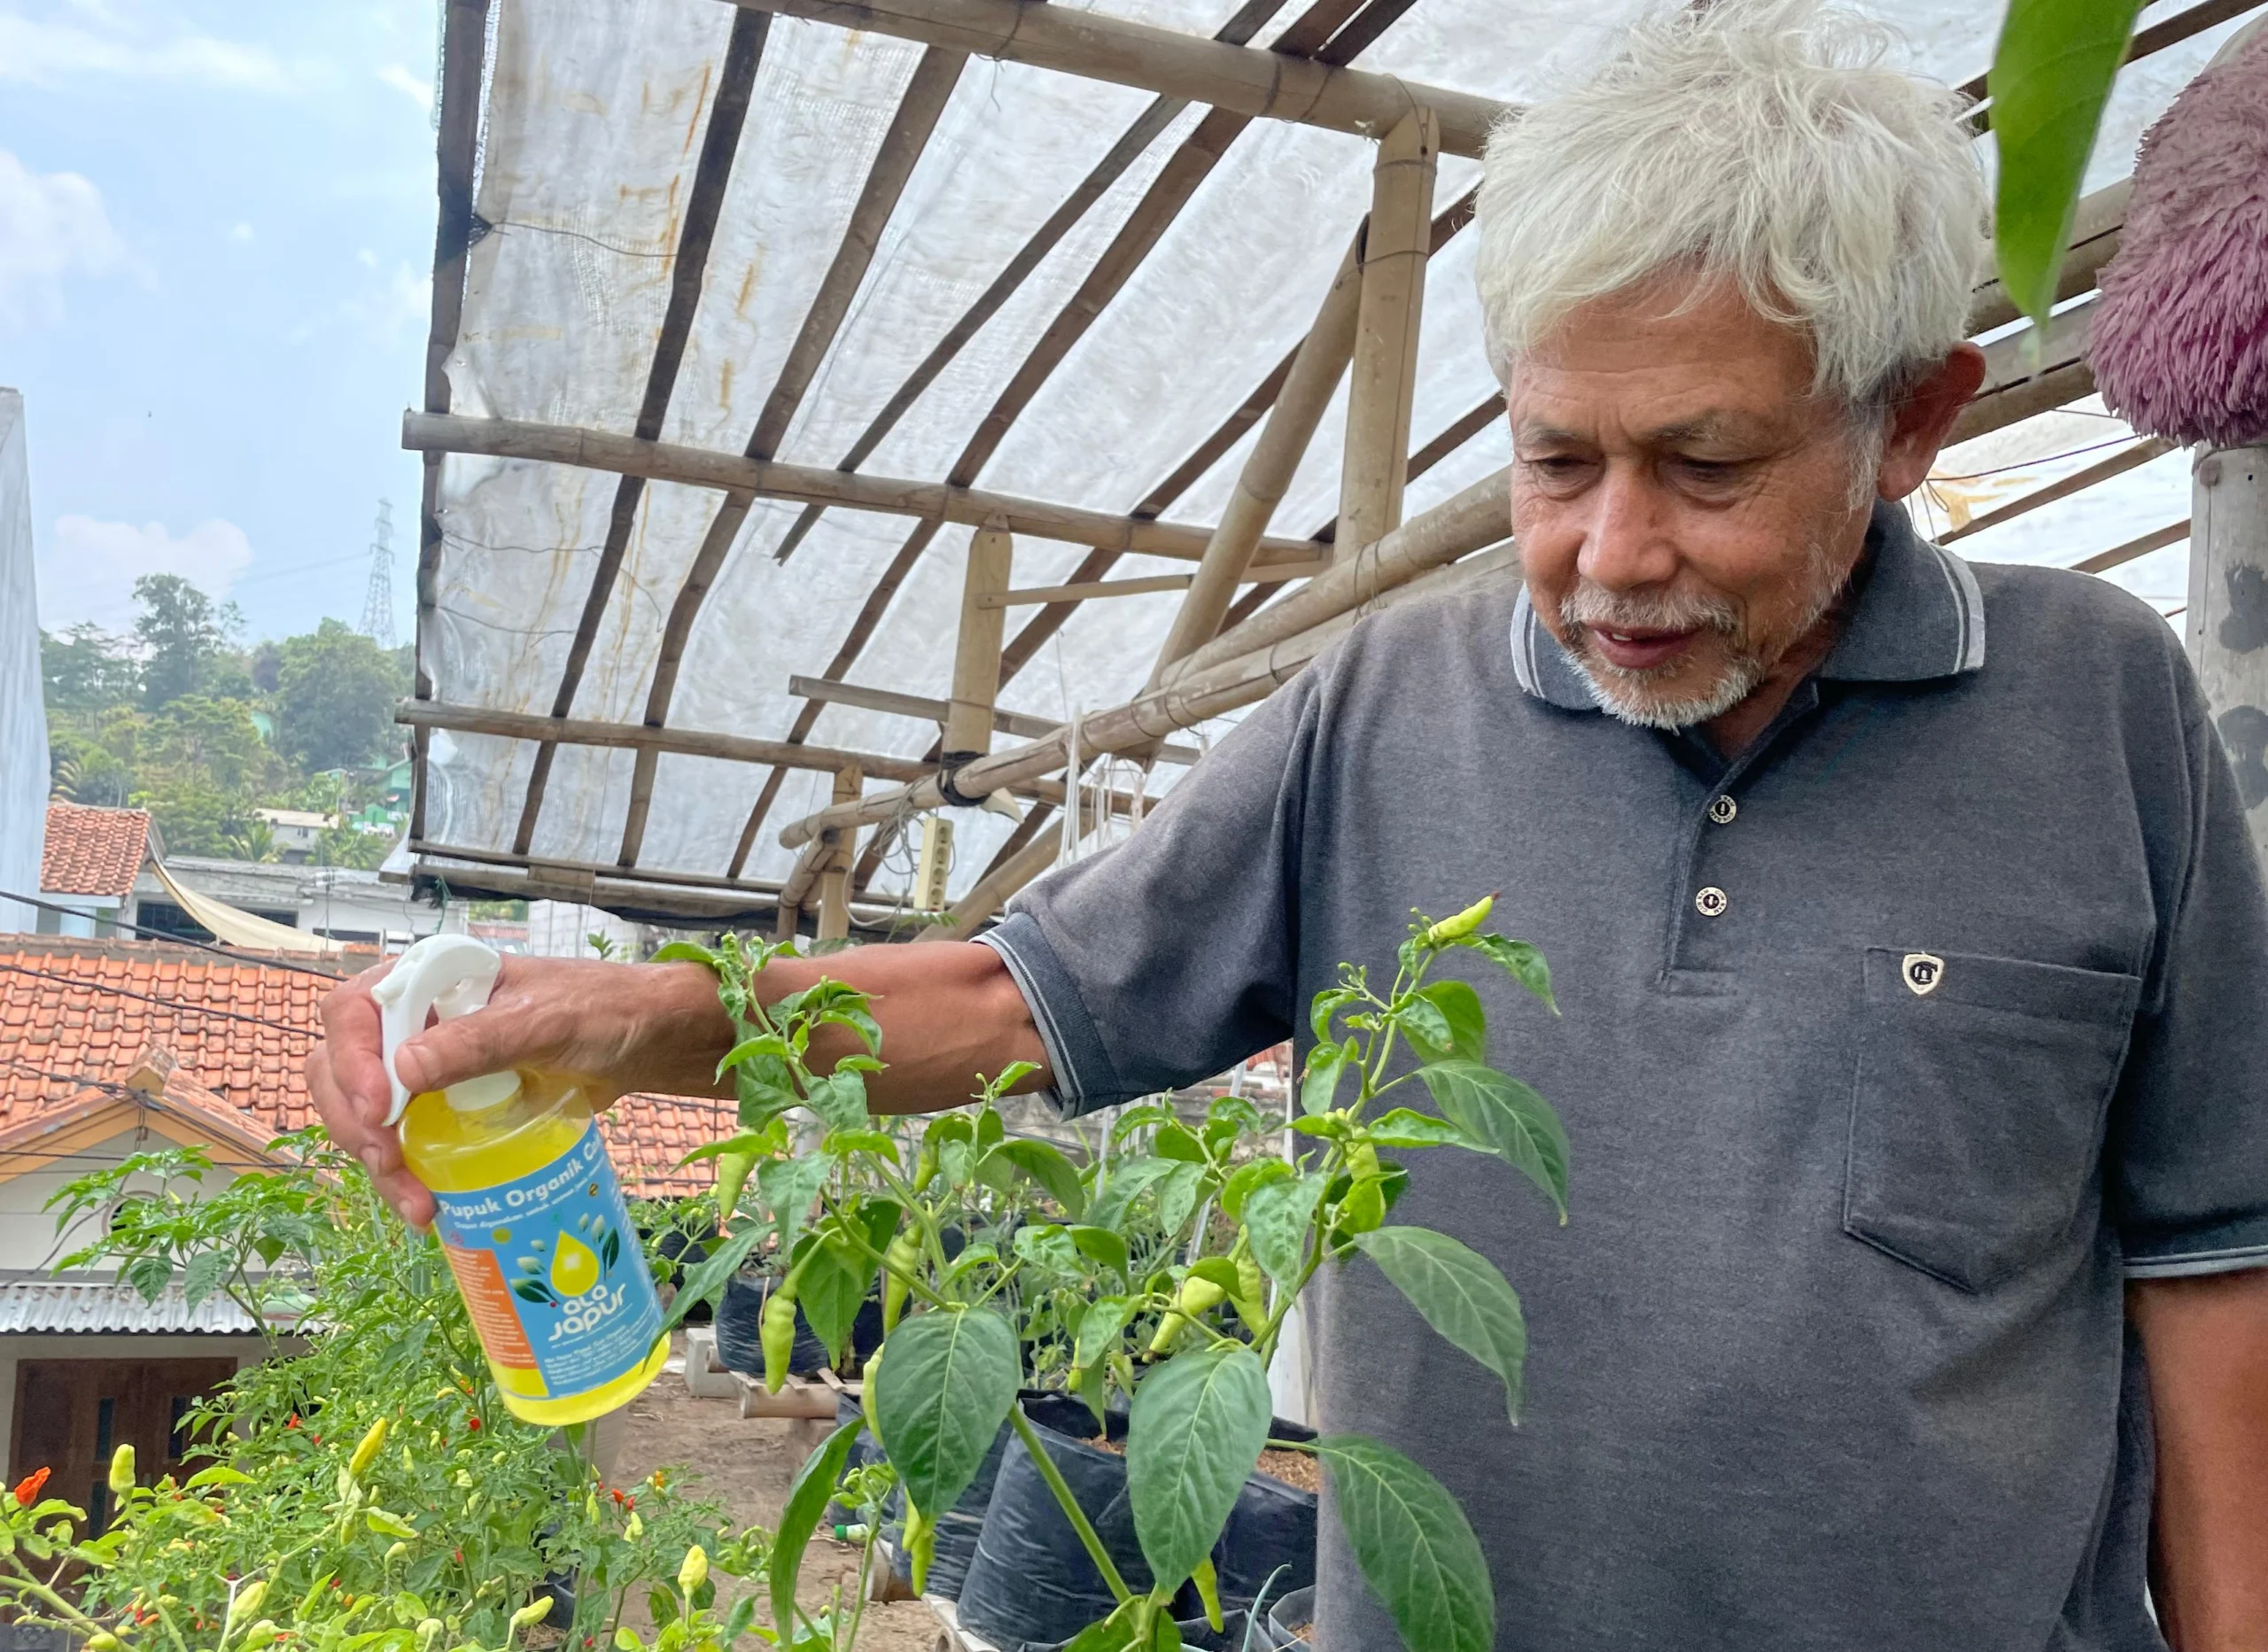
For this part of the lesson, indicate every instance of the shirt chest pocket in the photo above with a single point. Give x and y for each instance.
(1977, 1117)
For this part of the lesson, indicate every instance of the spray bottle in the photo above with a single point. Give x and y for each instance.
(531, 1216)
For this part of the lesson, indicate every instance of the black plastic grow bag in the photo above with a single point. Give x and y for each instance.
(740, 1316)
(1270, 1535)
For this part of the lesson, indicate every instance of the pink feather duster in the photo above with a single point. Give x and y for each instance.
(2180, 341)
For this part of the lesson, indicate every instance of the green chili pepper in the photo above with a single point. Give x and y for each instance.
(1208, 1591)
(899, 1260)
(777, 1332)
(866, 1395)
(1461, 925)
(1197, 1296)
(121, 1471)
(921, 1544)
(925, 1169)
(731, 1176)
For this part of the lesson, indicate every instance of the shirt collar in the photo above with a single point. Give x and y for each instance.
(1918, 617)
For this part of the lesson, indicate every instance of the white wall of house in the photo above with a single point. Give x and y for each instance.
(28, 1240)
(23, 710)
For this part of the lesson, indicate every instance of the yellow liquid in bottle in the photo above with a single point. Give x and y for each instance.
(456, 1151)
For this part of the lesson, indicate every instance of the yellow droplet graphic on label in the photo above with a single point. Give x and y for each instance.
(574, 1269)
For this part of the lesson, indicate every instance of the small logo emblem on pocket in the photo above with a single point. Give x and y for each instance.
(1922, 973)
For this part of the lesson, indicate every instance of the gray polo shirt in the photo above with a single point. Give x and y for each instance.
(1830, 1353)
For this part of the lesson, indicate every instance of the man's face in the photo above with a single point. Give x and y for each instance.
(1681, 500)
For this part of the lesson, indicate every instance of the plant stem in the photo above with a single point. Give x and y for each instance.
(1072, 1512)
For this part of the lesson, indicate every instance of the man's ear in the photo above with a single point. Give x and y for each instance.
(1920, 422)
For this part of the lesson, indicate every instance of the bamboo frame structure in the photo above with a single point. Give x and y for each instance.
(1223, 650)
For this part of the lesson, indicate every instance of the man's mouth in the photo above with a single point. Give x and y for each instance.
(1639, 649)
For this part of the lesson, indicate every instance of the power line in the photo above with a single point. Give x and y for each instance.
(168, 935)
(163, 1003)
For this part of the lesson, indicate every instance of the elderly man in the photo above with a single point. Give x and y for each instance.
(1913, 955)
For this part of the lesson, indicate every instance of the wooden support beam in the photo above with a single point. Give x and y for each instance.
(1100, 46)
(993, 891)
(695, 467)
(1478, 516)
(2095, 225)
(892, 703)
(2118, 555)
(1383, 379)
(1189, 699)
(976, 652)
(619, 894)
(2127, 459)
(1098, 590)
(637, 736)
(557, 866)
(835, 874)
(1318, 366)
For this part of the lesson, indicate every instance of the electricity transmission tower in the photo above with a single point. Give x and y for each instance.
(377, 601)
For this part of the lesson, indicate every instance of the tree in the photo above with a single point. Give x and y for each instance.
(335, 692)
(209, 740)
(86, 668)
(185, 642)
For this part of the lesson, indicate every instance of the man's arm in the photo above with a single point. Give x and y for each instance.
(948, 1013)
(2206, 1338)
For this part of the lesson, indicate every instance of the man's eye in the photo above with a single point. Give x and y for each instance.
(1708, 469)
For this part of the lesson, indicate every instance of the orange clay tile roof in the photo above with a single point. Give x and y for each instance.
(92, 851)
(65, 1021)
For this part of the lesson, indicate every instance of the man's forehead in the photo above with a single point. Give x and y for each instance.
(1544, 421)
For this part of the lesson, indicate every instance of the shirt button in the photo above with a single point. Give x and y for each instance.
(1722, 809)
(1710, 902)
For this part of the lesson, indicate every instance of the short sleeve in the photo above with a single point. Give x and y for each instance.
(1170, 958)
(2187, 1172)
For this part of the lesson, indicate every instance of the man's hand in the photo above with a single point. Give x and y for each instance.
(627, 1027)
(2206, 1340)
(949, 1015)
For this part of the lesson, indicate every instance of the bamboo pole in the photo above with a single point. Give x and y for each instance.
(1460, 525)
(1191, 699)
(1318, 366)
(977, 653)
(1383, 379)
(664, 461)
(638, 737)
(1100, 46)
(989, 893)
(2228, 552)
(834, 873)
(1097, 590)
(891, 704)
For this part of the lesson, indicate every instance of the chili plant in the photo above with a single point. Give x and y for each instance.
(1187, 1321)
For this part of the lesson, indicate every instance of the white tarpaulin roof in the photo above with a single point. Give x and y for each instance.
(592, 129)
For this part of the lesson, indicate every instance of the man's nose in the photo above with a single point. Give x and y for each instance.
(1625, 544)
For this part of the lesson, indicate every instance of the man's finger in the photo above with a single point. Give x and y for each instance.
(469, 1046)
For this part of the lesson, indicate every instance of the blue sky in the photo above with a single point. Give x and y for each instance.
(216, 226)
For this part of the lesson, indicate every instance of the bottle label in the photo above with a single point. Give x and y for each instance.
(552, 1273)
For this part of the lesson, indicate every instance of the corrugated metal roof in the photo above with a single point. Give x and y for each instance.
(88, 1305)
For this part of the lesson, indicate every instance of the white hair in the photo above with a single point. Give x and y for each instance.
(1762, 142)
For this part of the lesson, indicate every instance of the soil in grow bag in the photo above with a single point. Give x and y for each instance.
(1290, 1621)
(1030, 1586)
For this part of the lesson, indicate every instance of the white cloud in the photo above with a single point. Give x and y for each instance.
(416, 88)
(242, 232)
(52, 225)
(89, 568)
(49, 54)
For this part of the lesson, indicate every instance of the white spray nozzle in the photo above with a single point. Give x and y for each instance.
(450, 974)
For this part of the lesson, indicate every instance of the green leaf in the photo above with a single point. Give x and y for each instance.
(744, 1142)
(829, 1289)
(2051, 75)
(1462, 1295)
(1466, 1023)
(1043, 1164)
(787, 1188)
(706, 1283)
(807, 1498)
(1193, 1439)
(947, 1380)
(1277, 1216)
(1240, 1186)
(861, 1141)
(150, 1275)
(1425, 1026)
(1101, 1328)
(1177, 1192)
(1174, 1141)
(1115, 1633)
(748, 1048)
(854, 1016)
(1521, 960)
(1326, 1004)
(1126, 1182)
(1141, 1116)
(1517, 1123)
(685, 952)
(1320, 1082)
(839, 1100)
(1045, 1244)
(203, 1276)
(1413, 1545)
(1403, 1127)
(1100, 1244)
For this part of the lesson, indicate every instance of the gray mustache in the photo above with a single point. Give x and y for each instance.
(1589, 604)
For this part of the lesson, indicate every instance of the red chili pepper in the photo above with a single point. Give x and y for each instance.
(615, 1493)
(27, 1489)
(630, 1503)
(292, 1420)
(473, 1422)
(457, 1555)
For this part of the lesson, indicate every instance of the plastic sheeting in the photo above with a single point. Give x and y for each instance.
(592, 128)
(23, 713)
